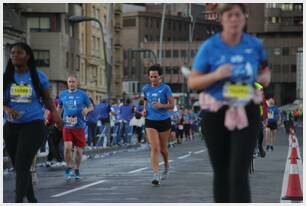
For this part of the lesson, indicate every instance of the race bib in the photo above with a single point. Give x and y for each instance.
(270, 115)
(71, 120)
(180, 127)
(21, 93)
(239, 92)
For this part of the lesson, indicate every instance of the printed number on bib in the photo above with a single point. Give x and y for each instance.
(237, 91)
(71, 121)
(21, 93)
(180, 127)
(270, 115)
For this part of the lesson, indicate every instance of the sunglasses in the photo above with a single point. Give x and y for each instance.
(153, 77)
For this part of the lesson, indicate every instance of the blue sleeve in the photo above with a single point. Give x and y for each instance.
(60, 102)
(43, 80)
(169, 92)
(144, 91)
(201, 63)
(87, 101)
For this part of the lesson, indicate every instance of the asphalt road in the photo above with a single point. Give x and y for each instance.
(125, 177)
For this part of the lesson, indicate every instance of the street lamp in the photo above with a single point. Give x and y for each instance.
(79, 19)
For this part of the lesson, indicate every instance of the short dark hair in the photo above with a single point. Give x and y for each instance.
(155, 67)
(226, 7)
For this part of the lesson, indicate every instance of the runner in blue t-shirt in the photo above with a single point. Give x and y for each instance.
(76, 105)
(273, 120)
(225, 69)
(158, 100)
(25, 91)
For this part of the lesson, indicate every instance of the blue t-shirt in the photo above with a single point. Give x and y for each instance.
(157, 94)
(103, 110)
(245, 57)
(126, 112)
(73, 104)
(21, 96)
(273, 114)
(93, 115)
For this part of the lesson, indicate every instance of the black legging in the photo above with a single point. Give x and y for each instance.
(230, 154)
(22, 142)
(260, 136)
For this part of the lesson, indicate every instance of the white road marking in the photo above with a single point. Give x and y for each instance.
(138, 170)
(200, 151)
(163, 162)
(184, 156)
(77, 189)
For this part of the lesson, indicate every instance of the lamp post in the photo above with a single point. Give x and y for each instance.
(79, 19)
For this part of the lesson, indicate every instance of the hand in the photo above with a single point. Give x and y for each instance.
(58, 121)
(224, 71)
(144, 113)
(13, 114)
(85, 112)
(264, 77)
(157, 105)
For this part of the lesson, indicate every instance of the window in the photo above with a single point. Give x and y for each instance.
(39, 24)
(285, 68)
(168, 70)
(168, 53)
(67, 59)
(174, 25)
(292, 51)
(42, 58)
(180, 26)
(298, 20)
(183, 53)
(286, 51)
(193, 52)
(276, 68)
(176, 70)
(293, 68)
(146, 22)
(277, 51)
(169, 24)
(175, 53)
(157, 23)
(77, 62)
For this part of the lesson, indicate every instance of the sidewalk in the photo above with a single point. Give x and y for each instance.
(42, 157)
(266, 182)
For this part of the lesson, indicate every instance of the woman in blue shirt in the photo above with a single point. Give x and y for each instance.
(225, 69)
(158, 100)
(25, 91)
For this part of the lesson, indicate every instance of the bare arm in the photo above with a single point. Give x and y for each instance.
(51, 107)
(199, 80)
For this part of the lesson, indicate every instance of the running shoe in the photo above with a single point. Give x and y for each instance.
(165, 173)
(68, 173)
(156, 179)
(77, 174)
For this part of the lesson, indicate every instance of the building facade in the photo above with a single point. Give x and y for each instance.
(141, 36)
(280, 26)
(14, 28)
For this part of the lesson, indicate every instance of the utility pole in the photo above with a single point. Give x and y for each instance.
(161, 35)
(109, 55)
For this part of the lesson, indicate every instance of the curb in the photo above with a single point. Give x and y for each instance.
(42, 157)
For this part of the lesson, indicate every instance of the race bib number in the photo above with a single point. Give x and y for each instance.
(237, 92)
(270, 115)
(71, 120)
(180, 127)
(21, 93)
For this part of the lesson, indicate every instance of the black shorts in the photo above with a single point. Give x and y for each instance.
(159, 125)
(272, 125)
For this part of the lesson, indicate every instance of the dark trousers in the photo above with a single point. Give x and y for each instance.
(231, 153)
(22, 142)
(260, 136)
(92, 133)
(55, 142)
